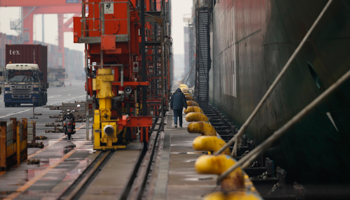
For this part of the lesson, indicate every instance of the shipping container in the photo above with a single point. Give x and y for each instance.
(74, 60)
(28, 53)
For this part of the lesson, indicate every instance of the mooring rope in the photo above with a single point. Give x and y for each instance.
(274, 84)
(246, 160)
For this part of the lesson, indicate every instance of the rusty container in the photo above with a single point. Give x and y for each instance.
(28, 53)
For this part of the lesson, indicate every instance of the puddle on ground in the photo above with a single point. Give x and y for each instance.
(206, 178)
(68, 148)
(6, 192)
(189, 161)
(52, 141)
(16, 184)
(199, 179)
(35, 193)
(45, 163)
(186, 144)
(69, 169)
(195, 152)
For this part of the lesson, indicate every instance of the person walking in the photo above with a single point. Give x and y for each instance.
(178, 101)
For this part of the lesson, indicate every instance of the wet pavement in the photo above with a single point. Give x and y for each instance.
(178, 178)
(61, 162)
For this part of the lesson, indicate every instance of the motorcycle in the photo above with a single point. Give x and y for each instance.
(69, 123)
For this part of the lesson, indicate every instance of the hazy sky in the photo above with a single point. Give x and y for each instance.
(179, 8)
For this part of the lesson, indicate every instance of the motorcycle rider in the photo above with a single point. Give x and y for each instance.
(69, 115)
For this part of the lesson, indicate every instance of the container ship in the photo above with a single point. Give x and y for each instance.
(250, 41)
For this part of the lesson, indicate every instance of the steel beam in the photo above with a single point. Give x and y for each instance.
(28, 24)
(31, 3)
(143, 55)
(58, 9)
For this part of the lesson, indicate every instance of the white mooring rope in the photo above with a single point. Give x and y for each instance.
(246, 160)
(278, 78)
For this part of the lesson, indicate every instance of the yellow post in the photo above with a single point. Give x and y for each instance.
(18, 142)
(105, 128)
(97, 129)
(3, 147)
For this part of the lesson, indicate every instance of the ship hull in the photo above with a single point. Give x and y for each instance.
(251, 42)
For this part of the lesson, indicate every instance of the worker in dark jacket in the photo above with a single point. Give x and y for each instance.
(178, 101)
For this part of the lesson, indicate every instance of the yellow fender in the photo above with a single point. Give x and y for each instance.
(193, 109)
(203, 128)
(191, 103)
(217, 164)
(241, 195)
(196, 116)
(209, 143)
(184, 90)
(183, 86)
(187, 93)
(188, 97)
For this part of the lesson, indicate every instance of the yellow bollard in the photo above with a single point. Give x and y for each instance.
(187, 93)
(232, 196)
(184, 90)
(217, 164)
(203, 128)
(191, 103)
(183, 86)
(209, 143)
(215, 196)
(188, 97)
(196, 116)
(193, 109)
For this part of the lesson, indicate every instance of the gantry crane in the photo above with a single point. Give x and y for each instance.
(30, 8)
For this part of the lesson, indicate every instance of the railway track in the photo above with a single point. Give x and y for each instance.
(140, 175)
(79, 186)
(137, 183)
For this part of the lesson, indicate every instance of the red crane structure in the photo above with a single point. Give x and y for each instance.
(127, 58)
(32, 7)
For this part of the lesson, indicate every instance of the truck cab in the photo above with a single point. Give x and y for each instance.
(23, 84)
